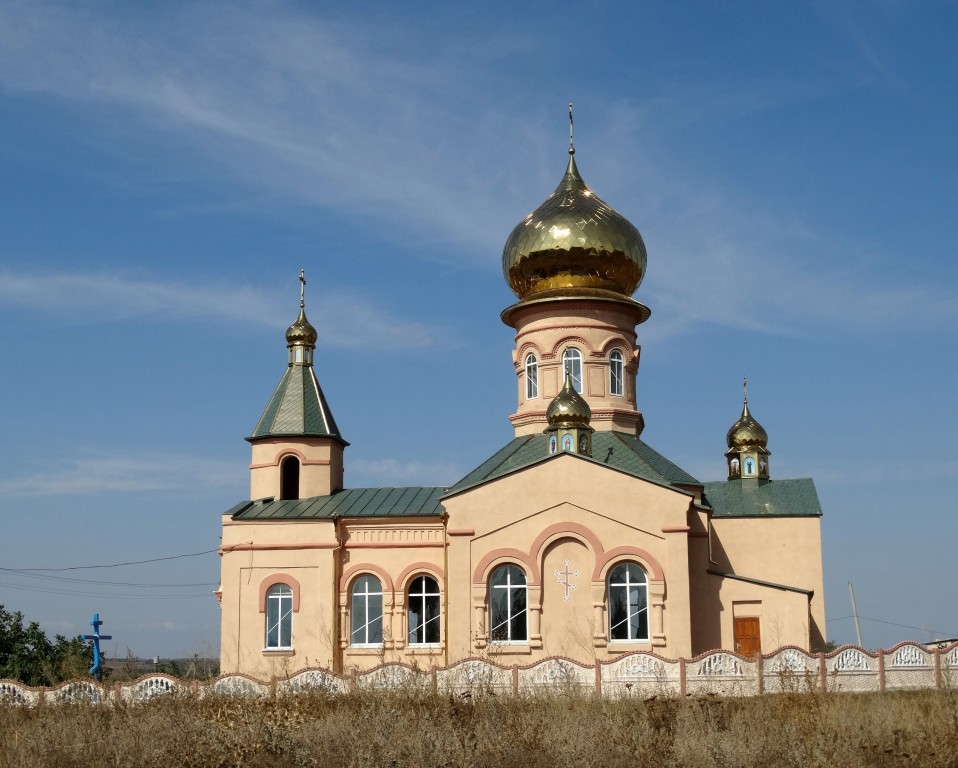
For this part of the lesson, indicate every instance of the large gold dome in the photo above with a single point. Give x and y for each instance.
(573, 244)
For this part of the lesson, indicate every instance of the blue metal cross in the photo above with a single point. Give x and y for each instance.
(97, 669)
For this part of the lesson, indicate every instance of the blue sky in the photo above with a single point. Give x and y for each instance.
(167, 169)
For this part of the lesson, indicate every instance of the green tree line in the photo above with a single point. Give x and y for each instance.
(28, 655)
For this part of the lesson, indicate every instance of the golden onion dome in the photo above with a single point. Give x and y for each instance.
(301, 332)
(746, 432)
(573, 244)
(568, 408)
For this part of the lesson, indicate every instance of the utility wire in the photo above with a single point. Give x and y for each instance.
(24, 574)
(117, 565)
(896, 624)
(74, 593)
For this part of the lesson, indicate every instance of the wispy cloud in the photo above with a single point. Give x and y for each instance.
(349, 320)
(332, 114)
(394, 472)
(104, 474)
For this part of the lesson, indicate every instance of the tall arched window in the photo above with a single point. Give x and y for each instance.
(366, 612)
(423, 611)
(572, 364)
(507, 605)
(532, 377)
(616, 380)
(628, 603)
(289, 478)
(279, 617)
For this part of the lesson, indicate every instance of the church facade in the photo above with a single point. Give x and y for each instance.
(575, 539)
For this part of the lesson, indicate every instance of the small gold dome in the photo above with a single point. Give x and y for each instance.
(301, 332)
(574, 244)
(746, 432)
(568, 408)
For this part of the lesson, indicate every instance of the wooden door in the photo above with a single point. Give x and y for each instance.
(748, 636)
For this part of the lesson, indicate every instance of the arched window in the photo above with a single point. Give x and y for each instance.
(289, 478)
(572, 364)
(423, 611)
(507, 605)
(628, 603)
(532, 377)
(366, 612)
(279, 617)
(616, 380)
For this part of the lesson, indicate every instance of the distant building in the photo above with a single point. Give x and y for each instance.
(576, 538)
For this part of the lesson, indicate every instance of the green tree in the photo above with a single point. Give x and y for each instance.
(28, 655)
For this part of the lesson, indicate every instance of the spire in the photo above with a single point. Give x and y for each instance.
(298, 406)
(571, 144)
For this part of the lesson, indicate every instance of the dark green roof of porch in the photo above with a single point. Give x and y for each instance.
(776, 498)
(347, 503)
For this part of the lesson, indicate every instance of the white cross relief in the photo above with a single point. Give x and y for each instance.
(563, 577)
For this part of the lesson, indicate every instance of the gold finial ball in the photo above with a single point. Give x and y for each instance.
(301, 331)
(573, 244)
(746, 432)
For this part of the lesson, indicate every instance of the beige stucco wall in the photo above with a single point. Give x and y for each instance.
(563, 509)
(782, 550)
(320, 471)
(566, 508)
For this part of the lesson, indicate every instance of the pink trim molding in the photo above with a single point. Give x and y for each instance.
(271, 581)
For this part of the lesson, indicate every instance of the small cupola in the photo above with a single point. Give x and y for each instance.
(568, 415)
(297, 447)
(747, 441)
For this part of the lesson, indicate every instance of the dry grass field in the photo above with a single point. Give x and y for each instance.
(415, 729)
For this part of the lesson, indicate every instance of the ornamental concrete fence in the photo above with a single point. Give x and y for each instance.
(907, 666)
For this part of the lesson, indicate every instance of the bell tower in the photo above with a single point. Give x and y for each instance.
(574, 263)
(297, 448)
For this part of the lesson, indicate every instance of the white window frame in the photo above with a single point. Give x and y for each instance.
(357, 598)
(532, 377)
(279, 617)
(427, 587)
(511, 589)
(626, 586)
(616, 374)
(572, 363)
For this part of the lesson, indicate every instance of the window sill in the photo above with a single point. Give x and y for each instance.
(279, 652)
(364, 650)
(509, 648)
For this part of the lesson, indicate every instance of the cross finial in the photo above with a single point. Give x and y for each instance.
(745, 389)
(302, 288)
(571, 145)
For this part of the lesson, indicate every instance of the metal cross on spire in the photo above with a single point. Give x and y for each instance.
(302, 288)
(571, 145)
(745, 388)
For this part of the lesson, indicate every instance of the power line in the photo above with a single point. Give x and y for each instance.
(76, 593)
(116, 565)
(896, 624)
(25, 574)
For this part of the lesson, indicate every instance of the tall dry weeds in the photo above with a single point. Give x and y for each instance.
(423, 729)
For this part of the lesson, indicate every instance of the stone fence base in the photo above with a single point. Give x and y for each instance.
(639, 675)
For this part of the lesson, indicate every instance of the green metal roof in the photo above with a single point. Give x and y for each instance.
(625, 453)
(297, 408)
(776, 498)
(351, 502)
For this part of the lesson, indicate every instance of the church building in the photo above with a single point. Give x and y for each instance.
(575, 539)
